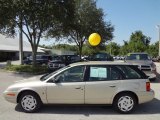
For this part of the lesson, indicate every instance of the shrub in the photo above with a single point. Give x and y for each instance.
(27, 68)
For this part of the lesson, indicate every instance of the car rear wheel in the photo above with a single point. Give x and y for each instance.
(30, 102)
(125, 103)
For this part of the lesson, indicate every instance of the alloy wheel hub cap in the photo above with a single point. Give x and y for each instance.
(28, 102)
(125, 103)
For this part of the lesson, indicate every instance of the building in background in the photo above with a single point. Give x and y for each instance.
(9, 48)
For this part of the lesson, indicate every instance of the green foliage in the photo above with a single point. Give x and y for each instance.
(27, 69)
(153, 49)
(138, 42)
(124, 49)
(88, 50)
(88, 19)
(66, 47)
(113, 48)
(36, 17)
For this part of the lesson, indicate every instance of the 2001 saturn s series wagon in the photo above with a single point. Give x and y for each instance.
(119, 84)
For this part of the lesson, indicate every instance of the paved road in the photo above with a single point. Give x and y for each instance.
(9, 111)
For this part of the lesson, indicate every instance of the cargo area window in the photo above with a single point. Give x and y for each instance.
(129, 72)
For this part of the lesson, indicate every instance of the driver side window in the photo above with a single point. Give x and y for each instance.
(74, 74)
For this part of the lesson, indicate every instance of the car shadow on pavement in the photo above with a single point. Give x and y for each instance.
(152, 107)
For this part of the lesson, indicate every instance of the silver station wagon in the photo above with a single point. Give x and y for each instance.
(121, 85)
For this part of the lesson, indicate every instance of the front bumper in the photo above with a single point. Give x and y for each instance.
(10, 96)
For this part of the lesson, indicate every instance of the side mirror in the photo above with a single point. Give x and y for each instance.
(44, 75)
(55, 79)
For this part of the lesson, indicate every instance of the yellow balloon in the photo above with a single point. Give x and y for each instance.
(94, 39)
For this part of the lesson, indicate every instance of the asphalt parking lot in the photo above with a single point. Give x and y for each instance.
(9, 111)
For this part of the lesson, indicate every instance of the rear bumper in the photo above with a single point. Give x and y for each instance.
(144, 97)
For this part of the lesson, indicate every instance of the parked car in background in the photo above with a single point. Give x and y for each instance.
(122, 57)
(121, 85)
(101, 56)
(114, 57)
(60, 61)
(40, 59)
(118, 57)
(143, 62)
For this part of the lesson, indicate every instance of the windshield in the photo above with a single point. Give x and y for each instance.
(138, 57)
(48, 75)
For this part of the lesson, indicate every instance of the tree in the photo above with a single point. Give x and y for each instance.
(114, 48)
(89, 50)
(36, 16)
(138, 42)
(124, 49)
(88, 19)
(65, 47)
(153, 49)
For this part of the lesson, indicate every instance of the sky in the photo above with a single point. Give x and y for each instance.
(127, 16)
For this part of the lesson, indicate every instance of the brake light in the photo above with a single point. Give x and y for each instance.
(148, 86)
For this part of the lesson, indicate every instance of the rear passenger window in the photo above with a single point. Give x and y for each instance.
(129, 72)
(115, 74)
(98, 73)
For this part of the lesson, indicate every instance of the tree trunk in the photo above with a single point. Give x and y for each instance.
(34, 53)
(20, 41)
(80, 51)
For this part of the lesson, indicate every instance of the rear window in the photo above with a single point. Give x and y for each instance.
(132, 72)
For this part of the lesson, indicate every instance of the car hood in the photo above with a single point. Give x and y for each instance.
(26, 83)
(32, 79)
(139, 62)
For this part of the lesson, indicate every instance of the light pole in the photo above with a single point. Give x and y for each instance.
(158, 26)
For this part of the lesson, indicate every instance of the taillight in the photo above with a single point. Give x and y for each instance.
(148, 86)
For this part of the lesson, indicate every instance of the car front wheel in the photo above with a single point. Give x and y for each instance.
(30, 102)
(125, 103)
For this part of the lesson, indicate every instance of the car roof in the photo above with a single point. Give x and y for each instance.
(99, 63)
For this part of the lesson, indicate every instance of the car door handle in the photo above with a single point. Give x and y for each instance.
(112, 86)
(78, 88)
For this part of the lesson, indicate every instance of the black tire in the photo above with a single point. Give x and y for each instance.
(125, 103)
(30, 102)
